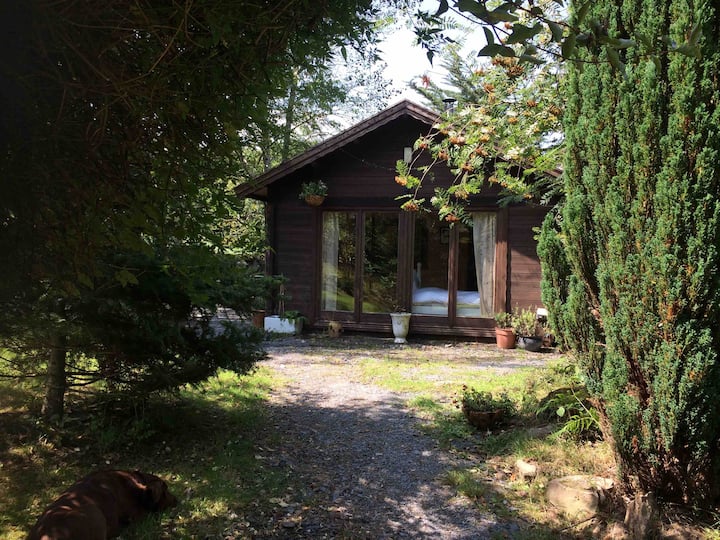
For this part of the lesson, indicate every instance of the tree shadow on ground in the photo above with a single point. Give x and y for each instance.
(306, 467)
(361, 470)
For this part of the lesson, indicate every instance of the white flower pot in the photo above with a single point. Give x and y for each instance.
(400, 326)
(283, 326)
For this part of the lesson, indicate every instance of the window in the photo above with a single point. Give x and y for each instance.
(380, 263)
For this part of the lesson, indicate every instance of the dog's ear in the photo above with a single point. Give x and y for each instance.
(158, 495)
(156, 488)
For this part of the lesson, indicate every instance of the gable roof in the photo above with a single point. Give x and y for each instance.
(258, 186)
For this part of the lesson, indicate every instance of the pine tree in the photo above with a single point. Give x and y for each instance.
(631, 262)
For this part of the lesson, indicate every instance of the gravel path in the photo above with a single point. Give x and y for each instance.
(364, 468)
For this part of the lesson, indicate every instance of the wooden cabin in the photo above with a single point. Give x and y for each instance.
(358, 256)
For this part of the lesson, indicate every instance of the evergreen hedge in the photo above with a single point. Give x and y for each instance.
(631, 260)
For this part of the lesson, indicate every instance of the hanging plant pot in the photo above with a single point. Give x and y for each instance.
(314, 200)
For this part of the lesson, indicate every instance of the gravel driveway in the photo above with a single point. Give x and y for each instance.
(363, 467)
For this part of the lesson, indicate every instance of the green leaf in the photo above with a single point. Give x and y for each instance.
(489, 37)
(476, 8)
(497, 50)
(85, 280)
(617, 43)
(522, 33)
(568, 46)
(615, 62)
(582, 12)
(560, 411)
(556, 30)
(531, 59)
(692, 51)
(125, 277)
(501, 14)
(442, 8)
(695, 34)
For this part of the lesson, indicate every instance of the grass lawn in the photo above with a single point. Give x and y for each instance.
(204, 440)
(201, 441)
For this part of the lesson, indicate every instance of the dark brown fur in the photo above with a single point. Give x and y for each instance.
(102, 503)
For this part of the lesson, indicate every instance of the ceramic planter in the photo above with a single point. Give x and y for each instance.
(400, 326)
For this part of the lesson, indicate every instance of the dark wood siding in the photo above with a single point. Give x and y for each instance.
(360, 175)
(524, 265)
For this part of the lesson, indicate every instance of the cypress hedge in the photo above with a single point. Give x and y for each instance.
(630, 262)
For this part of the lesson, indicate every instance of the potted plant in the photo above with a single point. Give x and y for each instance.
(525, 324)
(482, 409)
(400, 324)
(504, 333)
(313, 193)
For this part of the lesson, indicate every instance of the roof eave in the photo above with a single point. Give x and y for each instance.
(257, 188)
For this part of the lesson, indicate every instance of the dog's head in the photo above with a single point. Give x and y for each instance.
(157, 496)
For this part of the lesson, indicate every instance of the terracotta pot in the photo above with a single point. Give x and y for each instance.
(505, 338)
(482, 419)
(258, 318)
(314, 200)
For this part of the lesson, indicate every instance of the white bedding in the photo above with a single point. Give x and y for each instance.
(438, 296)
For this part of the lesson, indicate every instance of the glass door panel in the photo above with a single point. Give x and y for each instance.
(380, 262)
(430, 266)
(338, 261)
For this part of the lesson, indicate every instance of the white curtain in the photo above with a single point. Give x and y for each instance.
(330, 243)
(484, 247)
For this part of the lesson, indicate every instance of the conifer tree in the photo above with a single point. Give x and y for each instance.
(630, 264)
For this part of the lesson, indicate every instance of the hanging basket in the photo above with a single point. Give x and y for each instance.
(314, 200)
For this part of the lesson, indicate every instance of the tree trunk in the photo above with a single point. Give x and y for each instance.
(54, 402)
(289, 121)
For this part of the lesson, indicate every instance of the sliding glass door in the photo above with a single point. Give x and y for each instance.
(359, 262)
(454, 267)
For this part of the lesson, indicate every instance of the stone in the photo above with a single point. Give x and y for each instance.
(525, 471)
(578, 495)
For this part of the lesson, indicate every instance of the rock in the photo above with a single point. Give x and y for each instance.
(579, 494)
(525, 471)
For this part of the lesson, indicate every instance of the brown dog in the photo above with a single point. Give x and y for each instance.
(99, 505)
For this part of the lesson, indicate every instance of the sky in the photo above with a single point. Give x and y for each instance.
(408, 61)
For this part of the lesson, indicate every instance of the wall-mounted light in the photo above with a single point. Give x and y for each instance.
(407, 154)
